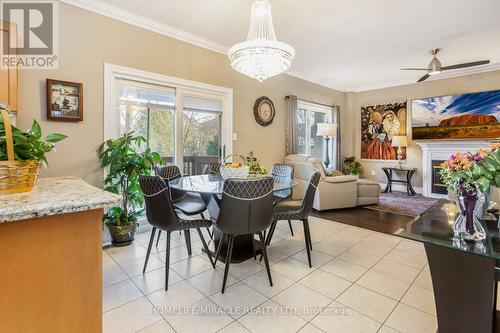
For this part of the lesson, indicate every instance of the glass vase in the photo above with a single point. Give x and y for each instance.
(467, 225)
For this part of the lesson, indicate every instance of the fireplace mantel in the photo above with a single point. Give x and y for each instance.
(441, 150)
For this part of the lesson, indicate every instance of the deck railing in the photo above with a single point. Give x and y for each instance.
(194, 164)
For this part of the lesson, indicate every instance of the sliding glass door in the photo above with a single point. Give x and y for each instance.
(184, 126)
(201, 133)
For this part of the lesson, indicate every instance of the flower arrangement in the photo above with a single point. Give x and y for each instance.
(254, 164)
(481, 167)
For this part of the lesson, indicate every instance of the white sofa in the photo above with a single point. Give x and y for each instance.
(336, 191)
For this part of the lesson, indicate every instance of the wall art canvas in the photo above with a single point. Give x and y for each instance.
(465, 116)
(64, 100)
(379, 123)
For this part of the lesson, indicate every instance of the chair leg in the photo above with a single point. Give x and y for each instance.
(158, 239)
(264, 253)
(151, 240)
(309, 234)
(228, 260)
(208, 229)
(187, 238)
(205, 246)
(167, 260)
(219, 247)
(253, 249)
(307, 237)
(271, 232)
(291, 228)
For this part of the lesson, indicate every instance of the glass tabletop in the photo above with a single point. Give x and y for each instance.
(435, 227)
(214, 184)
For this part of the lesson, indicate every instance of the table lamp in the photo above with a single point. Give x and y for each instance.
(327, 130)
(400, 141)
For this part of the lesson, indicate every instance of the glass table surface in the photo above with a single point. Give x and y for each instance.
(435, 227)
(214, 184)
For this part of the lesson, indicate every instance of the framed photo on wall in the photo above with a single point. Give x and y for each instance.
(64, 100)
(379, 123)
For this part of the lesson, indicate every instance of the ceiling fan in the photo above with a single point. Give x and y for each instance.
(435, 66)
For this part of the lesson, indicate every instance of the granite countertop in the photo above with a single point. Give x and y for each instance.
(53, 196)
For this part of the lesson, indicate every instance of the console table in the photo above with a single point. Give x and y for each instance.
(464, 274)
(409, 174)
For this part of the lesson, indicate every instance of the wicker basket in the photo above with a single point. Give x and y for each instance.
(241, 172)
(16, 176)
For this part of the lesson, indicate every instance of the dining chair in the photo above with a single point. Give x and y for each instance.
(297, 210)
(188, 203)
(214, 168)
(162, 215)
(282, 173)
(246, 209)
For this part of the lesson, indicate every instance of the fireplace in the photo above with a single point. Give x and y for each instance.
(437, 186)
(433, 153)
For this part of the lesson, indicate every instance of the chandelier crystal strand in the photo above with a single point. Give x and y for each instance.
(261, 56)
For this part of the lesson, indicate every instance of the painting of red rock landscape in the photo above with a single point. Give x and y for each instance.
(466, 116)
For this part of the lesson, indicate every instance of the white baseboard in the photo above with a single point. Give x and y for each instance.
(401, 187)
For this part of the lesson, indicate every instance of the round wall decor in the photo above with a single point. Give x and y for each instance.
(263, 111)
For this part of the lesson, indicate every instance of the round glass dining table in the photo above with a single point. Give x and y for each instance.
(210, 187)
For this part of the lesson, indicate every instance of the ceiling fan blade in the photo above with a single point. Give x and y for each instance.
(467, 64)
(423, 78)
(413, 69)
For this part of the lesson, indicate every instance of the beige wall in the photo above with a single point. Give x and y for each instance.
(88, 40)
(450, 86)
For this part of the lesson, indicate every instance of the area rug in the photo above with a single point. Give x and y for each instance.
(401, 203)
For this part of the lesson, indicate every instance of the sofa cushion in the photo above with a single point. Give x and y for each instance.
(341, 179)
(368, 188)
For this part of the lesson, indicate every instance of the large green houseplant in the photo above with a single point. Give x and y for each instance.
(126, 160)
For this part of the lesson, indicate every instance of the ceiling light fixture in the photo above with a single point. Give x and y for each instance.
(261, 56)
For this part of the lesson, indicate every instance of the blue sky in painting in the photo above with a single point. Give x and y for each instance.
(434, 109)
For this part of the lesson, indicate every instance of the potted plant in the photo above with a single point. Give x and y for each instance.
(254, 164)
(126, 160)
(351, 166)
(22, 153)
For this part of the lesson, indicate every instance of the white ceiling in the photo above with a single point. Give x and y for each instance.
(350, 45)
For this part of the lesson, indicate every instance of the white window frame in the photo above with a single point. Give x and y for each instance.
(320, 108)
(113, 73)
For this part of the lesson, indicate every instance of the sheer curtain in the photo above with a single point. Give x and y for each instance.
(301, 125)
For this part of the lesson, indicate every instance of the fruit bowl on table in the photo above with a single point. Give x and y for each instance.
(234, 170)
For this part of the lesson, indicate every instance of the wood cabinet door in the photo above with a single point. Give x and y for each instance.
(8, 76)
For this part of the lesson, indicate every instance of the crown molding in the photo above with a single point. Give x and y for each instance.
(145, 23)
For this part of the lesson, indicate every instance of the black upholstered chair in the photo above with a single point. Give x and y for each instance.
(282, 173)
(297, 210)
(246, 209)
(213, 168)
(162, 215)
(189, 204)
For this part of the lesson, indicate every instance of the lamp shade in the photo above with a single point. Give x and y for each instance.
(399, 141)
(327, 129)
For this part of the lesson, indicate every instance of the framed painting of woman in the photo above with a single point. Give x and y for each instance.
(379, 124)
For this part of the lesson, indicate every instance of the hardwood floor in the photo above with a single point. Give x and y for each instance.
(375, 220)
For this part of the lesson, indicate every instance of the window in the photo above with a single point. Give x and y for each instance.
(148, 110)
(188, 123)
(309, 115)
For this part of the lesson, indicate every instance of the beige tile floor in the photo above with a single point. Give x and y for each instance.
(361, 281)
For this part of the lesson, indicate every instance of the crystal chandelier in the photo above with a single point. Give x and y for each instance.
(261, 56)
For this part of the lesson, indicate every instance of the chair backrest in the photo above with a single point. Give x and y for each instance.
(159, 209)
(246, 206)
(282, 173)
(308, 200)
(168, 173)
(214, 168)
